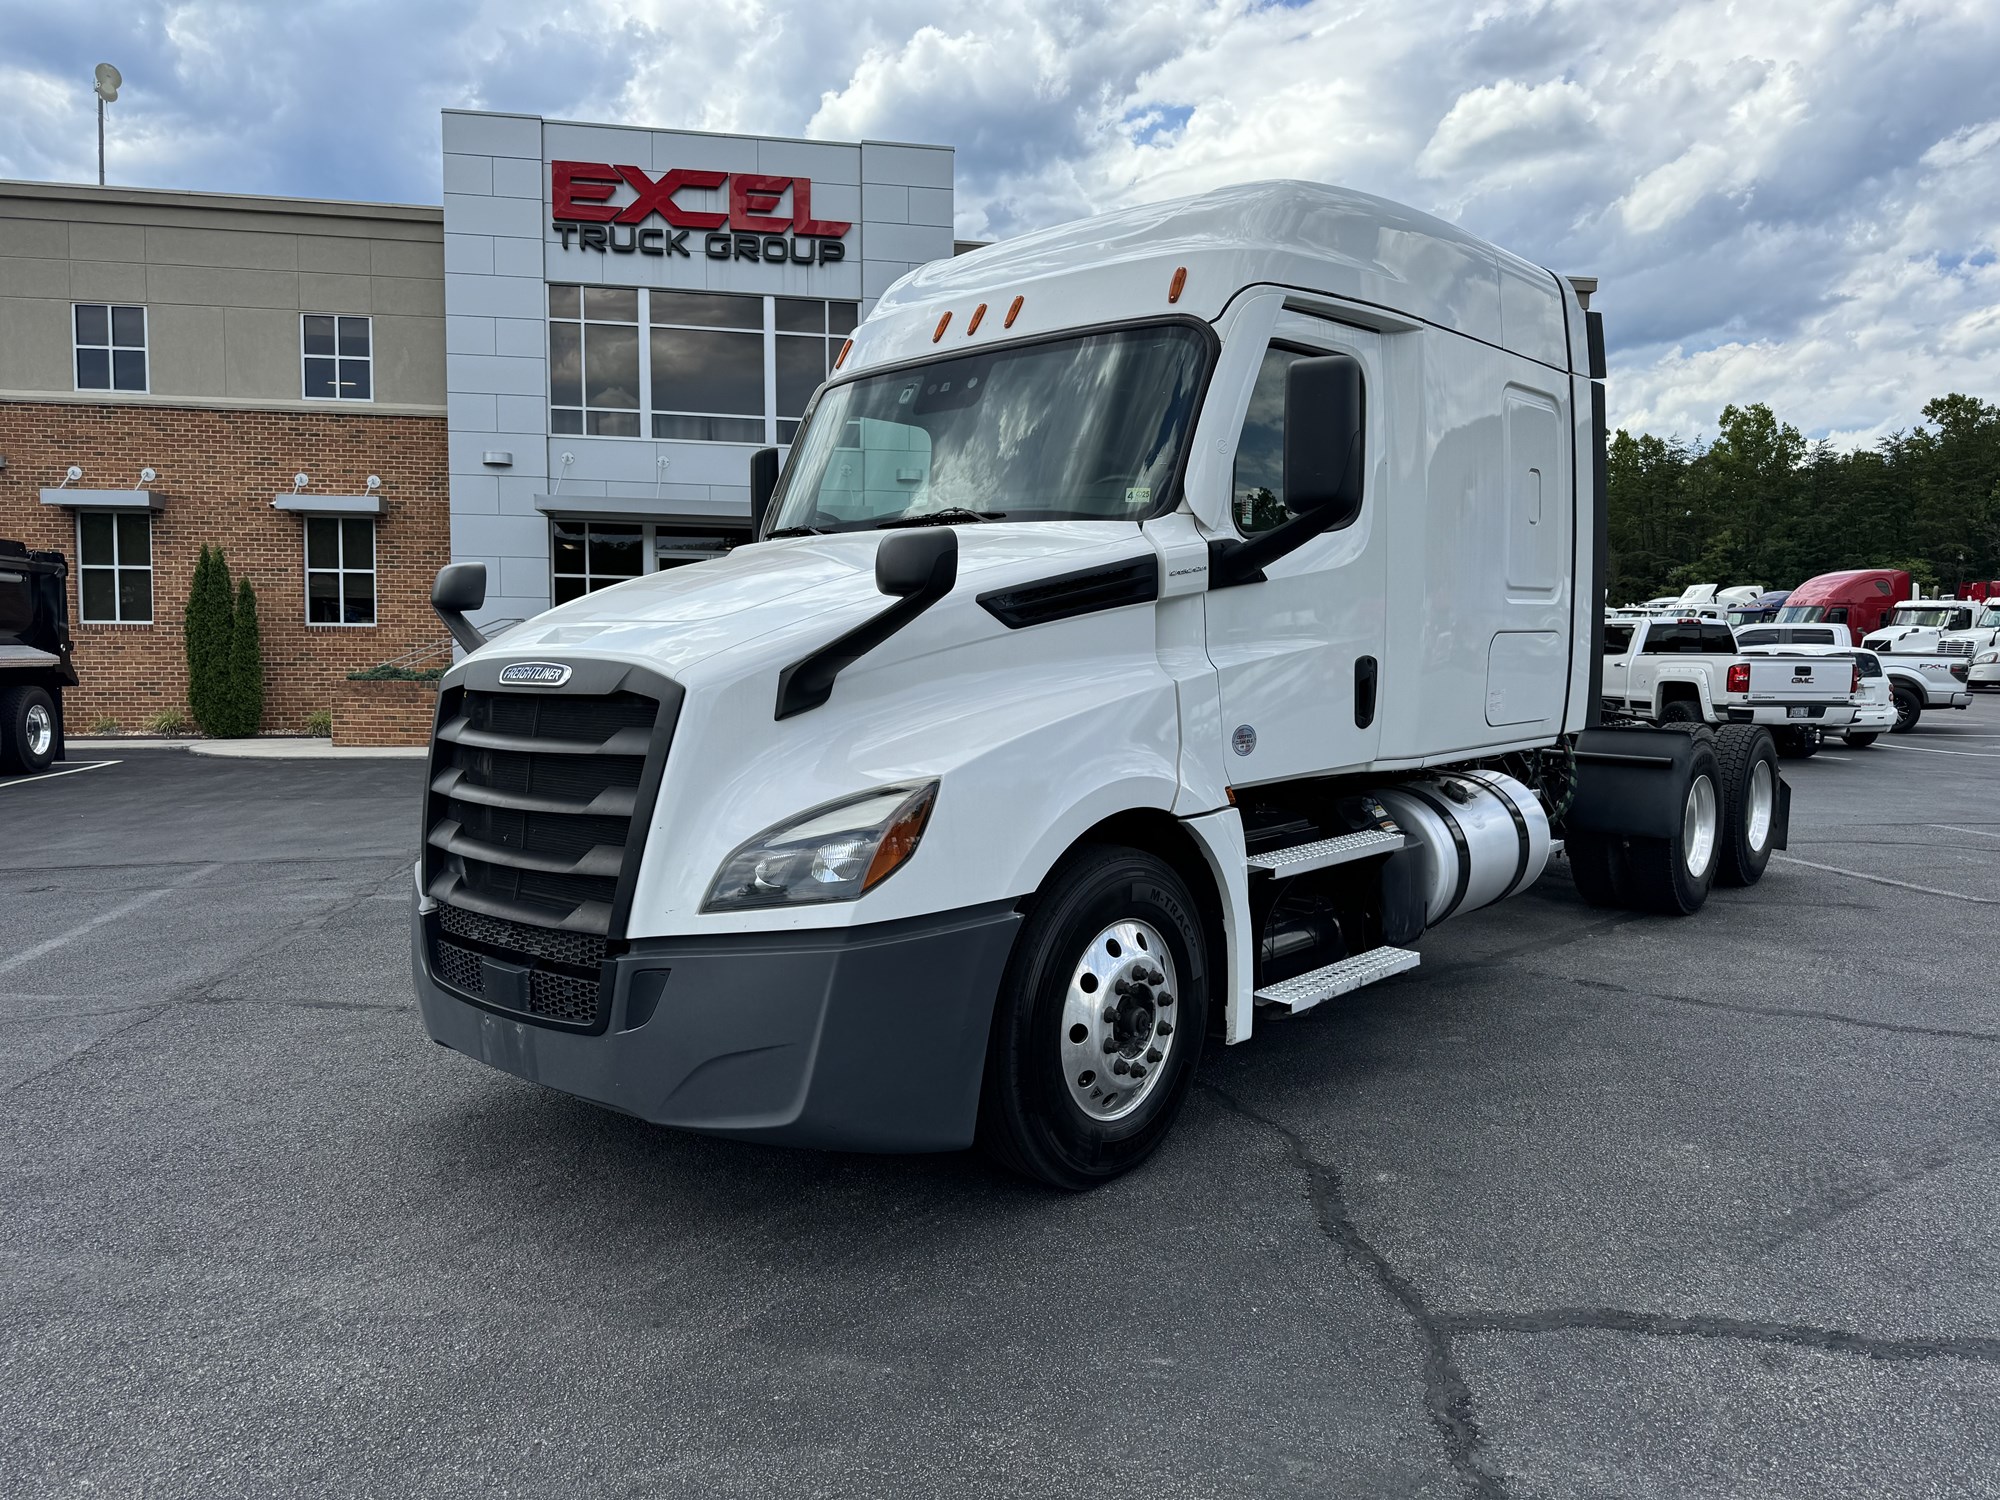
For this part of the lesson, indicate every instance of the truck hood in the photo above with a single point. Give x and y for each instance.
(680, 618)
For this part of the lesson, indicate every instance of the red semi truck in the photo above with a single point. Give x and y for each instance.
(1859, 598)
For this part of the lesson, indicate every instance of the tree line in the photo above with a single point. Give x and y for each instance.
(1761, 505)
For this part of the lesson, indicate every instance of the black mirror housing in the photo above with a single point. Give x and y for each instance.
(911, 562)
(763, 480)
(1325, 451)
(460, 587)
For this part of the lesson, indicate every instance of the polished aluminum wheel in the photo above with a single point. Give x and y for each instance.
(1698, 827)
(41, 731)
(1760, 802)
(1118, 1020)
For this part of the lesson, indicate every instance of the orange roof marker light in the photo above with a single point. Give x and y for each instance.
(1013, 312)
(841, 358)
(977, 313)
(1179, 281)
(943, 323)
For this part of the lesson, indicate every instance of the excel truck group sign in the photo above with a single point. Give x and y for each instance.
(610, 209)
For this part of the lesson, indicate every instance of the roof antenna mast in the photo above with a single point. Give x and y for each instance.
(108, 81)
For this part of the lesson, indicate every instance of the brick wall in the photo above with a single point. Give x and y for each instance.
(217, 473)
(385, 713)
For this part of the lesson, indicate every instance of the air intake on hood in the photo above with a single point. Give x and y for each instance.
(1110, 586)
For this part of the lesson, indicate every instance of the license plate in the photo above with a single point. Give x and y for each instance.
(1798, 713)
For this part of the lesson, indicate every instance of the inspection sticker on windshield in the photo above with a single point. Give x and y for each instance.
(1139, 494)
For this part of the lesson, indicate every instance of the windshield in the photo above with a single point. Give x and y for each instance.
(1942, 617)
(1081, 429)
(1801, 614)
(1989, 621)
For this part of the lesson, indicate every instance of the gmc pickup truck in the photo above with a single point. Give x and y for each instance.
(1672, 669)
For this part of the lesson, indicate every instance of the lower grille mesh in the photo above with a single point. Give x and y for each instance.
(568, 998)
(585, 950)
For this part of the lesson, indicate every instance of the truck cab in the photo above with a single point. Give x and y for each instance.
(1938, 627)
(1158, 622)
(1858, 598)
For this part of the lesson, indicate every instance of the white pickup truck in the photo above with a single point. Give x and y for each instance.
(1674, 669)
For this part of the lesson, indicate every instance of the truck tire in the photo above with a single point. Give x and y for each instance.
(1797, 744)
(1860, 740)
(1681, 711)
(1909, 709)
(1673, 875)
(27, 729)
(1099, 1023)
(1596, 864)
(1749, 764)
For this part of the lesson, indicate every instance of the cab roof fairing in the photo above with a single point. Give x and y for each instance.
(1309, 236)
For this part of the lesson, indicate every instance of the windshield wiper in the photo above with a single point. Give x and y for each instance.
(796, 531)
(951, 515)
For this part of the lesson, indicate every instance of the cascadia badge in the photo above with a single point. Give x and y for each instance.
(535, 673)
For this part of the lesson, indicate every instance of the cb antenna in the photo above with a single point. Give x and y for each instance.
(108, 81)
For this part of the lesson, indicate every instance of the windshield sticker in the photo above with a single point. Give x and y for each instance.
(1139, 494)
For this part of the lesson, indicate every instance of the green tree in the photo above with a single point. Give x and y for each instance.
(205, 631)
(246, 667)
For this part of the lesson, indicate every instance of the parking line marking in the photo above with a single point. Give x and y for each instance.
(1926, 750)
(89, 765)
(144, 898)
(1955, 828)
(1928, 890)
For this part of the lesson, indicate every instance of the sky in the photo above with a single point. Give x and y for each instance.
(1788, 201)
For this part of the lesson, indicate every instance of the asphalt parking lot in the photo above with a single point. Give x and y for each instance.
(1590, 1205)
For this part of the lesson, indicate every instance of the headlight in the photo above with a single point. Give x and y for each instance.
(1986, 658)
(833, 853)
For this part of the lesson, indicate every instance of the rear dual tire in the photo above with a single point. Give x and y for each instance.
(1672, 875)
(27, 730)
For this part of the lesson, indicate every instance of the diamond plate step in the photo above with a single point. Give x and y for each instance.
(1350, 974)
(1323, 853)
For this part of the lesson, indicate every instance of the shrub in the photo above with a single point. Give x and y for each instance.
(387, 673)
(205, 631)
(246, 666)
(104, 724)
(167, 721)
(320, 723)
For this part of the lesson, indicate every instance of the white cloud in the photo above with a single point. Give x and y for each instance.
(1797, 201)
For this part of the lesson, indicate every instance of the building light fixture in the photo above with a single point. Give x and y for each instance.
(70, 477)
(299, 482)
(146, 477)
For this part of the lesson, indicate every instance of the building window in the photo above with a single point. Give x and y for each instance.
(338, 356)
(114, 568)
(591, 555)
(809, 334)
(709, 368)
(110, 347)
(594, 360)
(340, 570)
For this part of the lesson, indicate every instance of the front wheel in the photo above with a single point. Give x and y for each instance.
(1860, 741)
(1100, 1021)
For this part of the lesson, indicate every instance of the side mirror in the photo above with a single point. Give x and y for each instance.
(913, 562)
(459, 588)
(1325, 413)
(763, 480)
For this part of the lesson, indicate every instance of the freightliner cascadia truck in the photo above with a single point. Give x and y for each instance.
(1159, 622)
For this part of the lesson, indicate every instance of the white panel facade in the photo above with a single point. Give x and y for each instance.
(505, 249)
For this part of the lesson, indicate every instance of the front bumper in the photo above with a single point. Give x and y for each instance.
(1987, 676)
(867, 1039)
(1873, 717)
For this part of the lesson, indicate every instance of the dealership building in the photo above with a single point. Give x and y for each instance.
(563, 374)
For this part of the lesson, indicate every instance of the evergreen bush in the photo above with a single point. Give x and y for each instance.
(246, 667)
(206, 631)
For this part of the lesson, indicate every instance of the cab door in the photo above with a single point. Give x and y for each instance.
(1298, 657)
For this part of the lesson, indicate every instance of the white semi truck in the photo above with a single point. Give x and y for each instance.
(1158, 621)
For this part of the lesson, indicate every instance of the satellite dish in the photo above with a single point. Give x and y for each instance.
(108, 81)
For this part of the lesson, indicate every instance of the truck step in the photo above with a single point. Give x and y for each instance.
(1308, 990)
(1323, 853)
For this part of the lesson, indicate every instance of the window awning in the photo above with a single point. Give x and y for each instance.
(643, 508)
(103, 499)
(329, 505)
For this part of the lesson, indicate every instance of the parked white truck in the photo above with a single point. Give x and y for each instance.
(1677, 669)
(1157, 620)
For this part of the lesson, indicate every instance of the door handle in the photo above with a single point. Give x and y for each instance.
(1364, 691)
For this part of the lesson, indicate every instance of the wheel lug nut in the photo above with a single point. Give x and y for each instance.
(1122, 987)
(1163, 999)
(1121, 1066)
(1111, 1044)
(1110, 1014)
(1153, 1054)
(1138, 1071)
(1165, 1028)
